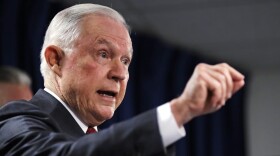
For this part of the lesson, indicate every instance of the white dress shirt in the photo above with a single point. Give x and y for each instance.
(169, 130)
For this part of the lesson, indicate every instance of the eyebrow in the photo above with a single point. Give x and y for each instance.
(104, 41)
(109, 43)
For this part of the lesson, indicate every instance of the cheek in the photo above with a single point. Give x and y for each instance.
(76, 64)
(122, 93)
(83, 73)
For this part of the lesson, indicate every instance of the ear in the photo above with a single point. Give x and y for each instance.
(54, 56)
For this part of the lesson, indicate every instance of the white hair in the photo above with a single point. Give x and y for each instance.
(64, 28)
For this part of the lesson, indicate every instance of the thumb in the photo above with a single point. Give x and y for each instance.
(237, 85)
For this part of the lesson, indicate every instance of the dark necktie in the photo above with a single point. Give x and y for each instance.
(90, 130)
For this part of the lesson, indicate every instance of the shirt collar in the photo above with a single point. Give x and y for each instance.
(83, 126)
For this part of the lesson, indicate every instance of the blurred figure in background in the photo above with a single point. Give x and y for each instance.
(14, 85)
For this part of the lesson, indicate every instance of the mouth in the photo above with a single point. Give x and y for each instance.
(107, 93)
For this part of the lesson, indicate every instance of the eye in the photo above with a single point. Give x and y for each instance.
(102, 57)
(103, 54)
(126, 61)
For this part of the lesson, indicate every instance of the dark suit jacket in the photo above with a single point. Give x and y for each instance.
(42, 126)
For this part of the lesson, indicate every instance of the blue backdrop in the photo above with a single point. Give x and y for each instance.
(158, 73)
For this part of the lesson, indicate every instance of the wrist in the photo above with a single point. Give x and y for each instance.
(180, 111)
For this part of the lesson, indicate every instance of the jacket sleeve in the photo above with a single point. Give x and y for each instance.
(34, 133)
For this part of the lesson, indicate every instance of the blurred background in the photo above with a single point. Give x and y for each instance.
(170, 38)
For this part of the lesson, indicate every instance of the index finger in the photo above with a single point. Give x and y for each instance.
(235, 75)
(237, 78)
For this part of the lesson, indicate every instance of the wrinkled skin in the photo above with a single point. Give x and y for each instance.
(92, 80)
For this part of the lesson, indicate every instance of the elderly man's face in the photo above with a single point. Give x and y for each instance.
(95, 75)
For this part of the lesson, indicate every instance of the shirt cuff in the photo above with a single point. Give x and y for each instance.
(169, 130)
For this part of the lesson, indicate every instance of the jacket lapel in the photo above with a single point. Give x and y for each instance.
(60, 115)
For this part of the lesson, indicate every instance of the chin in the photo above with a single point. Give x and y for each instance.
(103, 115)
(107, 114)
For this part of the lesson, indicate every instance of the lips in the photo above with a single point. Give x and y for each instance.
(107, 93)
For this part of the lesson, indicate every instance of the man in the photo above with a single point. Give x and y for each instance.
(84, 61)
(14, 85)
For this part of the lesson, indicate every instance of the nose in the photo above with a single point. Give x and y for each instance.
(118, 71)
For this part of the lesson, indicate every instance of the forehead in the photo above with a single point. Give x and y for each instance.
(101, 28)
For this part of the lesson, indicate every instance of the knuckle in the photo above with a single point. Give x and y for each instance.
(224, 64)
(224, 70)
(201, 66)
(222, 77)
